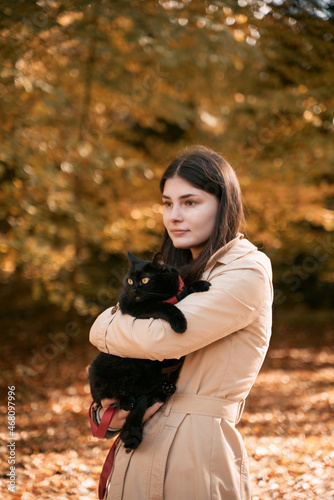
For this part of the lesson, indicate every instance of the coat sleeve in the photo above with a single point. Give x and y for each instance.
(233, 301)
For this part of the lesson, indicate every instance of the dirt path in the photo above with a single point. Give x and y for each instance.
(287, 425)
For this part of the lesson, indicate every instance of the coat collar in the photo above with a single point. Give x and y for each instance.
(234, 249)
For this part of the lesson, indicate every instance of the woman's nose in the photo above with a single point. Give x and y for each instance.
(176, 214)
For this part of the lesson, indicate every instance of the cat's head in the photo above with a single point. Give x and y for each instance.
(151, 280)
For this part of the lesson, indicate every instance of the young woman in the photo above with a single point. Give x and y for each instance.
(191, 448)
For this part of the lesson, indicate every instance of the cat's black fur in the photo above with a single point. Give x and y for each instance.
(138, 383)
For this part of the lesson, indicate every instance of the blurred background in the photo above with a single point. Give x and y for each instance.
(97, 98)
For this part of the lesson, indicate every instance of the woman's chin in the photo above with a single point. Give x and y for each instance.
(181, 246)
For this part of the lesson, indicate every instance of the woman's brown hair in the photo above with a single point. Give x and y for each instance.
(208, 171)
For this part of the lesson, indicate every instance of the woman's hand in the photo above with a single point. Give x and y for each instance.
(120, 416)
(151, 410)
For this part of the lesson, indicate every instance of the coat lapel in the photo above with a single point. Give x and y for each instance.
(236, 248)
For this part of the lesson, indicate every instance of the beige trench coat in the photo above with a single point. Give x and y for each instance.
(191, 448)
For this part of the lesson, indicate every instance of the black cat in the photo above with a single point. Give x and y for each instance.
(138, 383)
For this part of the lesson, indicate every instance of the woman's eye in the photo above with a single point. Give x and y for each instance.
(130, 281)
(190, 203)
(145, 280)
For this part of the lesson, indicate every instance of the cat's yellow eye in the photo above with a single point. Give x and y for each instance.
(130, 281)
(145, 280)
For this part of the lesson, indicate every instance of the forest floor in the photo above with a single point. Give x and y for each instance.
(287, 425)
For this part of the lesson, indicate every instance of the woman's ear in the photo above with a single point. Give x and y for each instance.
(159, 261)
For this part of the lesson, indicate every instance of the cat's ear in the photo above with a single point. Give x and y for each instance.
(132, 258)
(159, 261)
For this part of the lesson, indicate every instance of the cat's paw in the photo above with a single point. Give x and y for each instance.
(132, 438)
(168, 388)
(178, 322)
(128, 406)
(200, 286)
(131, 443)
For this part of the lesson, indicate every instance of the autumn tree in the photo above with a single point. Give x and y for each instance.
(97, 97)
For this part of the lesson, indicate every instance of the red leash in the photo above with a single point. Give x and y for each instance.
(100, 432)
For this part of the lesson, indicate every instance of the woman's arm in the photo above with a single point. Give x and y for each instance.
(233, 301)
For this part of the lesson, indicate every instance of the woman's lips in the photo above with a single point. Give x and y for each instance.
(178, 232)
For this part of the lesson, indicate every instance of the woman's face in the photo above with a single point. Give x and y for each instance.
(189, 214)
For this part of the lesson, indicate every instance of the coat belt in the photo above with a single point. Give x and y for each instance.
(205, 405)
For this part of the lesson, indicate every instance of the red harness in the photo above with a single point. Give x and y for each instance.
(174, 300)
